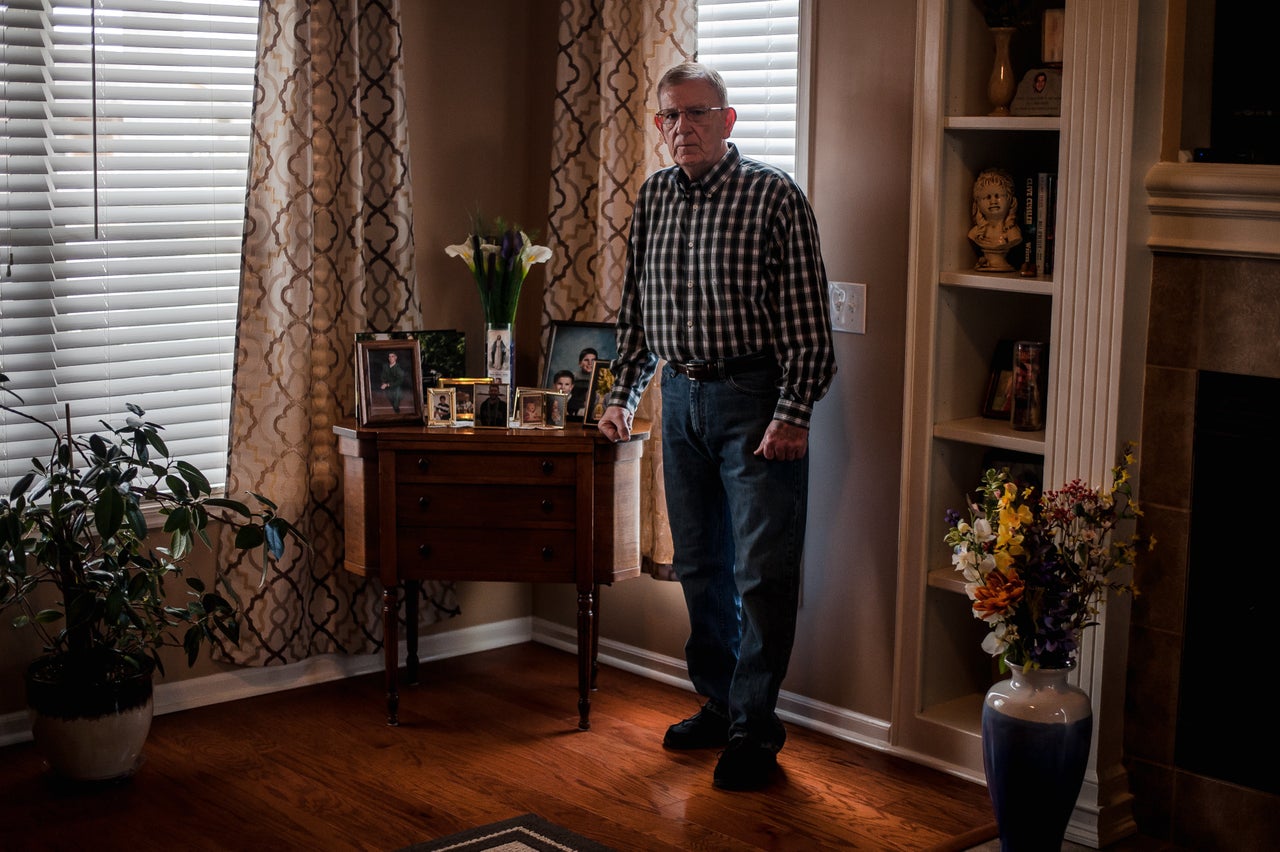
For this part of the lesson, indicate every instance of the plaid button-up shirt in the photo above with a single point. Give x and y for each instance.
(721, 267)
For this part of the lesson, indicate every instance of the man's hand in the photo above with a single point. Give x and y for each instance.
(616, 423)
(782, 441)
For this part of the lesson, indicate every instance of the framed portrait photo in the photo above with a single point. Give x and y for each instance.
(493, 405)
(388, 381)
(998, 402)
(440, 406)
(529, 408)
(555, 407)
(601, 384)
(573, 352)
(464, 398)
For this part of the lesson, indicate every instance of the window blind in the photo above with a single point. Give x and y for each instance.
(756, 46)
(125, 147)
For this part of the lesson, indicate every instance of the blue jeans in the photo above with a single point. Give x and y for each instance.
(737, 526)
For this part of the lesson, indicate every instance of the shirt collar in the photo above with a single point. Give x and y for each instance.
(713, 179)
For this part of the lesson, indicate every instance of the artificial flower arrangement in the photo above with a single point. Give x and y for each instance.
(1036, 569)
(499, 257)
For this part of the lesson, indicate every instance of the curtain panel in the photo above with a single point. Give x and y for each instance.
(611, 54)
(327, 251)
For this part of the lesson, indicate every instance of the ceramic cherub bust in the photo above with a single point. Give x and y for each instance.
(995, 220)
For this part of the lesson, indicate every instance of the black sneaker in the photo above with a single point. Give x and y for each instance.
(744, 765)
(708, 728)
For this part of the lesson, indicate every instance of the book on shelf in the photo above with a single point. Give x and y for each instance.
(1036, 199)
(1026, 263)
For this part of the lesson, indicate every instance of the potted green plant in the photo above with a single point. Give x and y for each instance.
(78, 566)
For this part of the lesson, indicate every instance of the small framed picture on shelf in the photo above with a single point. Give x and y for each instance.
(998, 402)
(440, 406)
(555, 407)
(464, 396)
(493, 405)
(1052, 25)
(388, 381)
(601, 384)
(1039, 93)
(529, 412)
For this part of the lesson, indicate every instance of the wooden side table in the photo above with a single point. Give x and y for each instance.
(519, 505)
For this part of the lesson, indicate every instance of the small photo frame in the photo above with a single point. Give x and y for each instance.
(388, 381)
(998, 401)
(1052, 26)
(464, 395)
(493, 405)
(441, 351)
(440, 407)
(575, 348)
(601, 384)
(529, 408)
(555, 408)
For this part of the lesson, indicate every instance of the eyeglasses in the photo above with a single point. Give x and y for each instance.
(698, 115)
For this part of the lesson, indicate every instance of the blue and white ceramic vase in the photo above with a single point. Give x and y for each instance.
(1036, 731)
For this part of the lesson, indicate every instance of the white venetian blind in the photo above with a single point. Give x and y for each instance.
(756, 46)
(125, 143)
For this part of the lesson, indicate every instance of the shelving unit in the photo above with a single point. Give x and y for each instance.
(958, 314)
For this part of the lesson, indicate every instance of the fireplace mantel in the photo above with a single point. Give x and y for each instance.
(1212, 208)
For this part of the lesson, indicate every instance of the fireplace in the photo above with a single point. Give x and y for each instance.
(1213, 337)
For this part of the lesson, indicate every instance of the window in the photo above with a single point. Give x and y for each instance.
(125, 146)
(760, 48)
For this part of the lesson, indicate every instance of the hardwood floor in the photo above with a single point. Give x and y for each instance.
(484, 737)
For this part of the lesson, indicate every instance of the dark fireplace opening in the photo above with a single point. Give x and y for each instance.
(1226, 717)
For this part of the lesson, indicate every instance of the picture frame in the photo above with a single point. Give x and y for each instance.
(601, 384)
(464, 412)
(998, 401)
(493, 405)
(569, 339)
(529, 408)
(441, 351)
(555, 409)
(388, 381)
(441, 405)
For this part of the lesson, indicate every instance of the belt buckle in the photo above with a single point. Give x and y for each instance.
(698, 370)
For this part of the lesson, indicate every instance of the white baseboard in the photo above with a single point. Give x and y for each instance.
(252, 681)
(249, 682)
(827, 718)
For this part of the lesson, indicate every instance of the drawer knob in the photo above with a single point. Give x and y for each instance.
(548, 553)
(424, 550)
(424, 464)
(547, 506)
(424, 502)
(548, 466)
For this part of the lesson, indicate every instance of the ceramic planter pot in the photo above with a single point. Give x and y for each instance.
(90, 717)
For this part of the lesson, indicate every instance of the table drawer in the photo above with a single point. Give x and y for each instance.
(469, 505)
(453, 466)
(487, 554)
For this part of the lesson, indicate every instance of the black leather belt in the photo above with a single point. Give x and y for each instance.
(722, 368)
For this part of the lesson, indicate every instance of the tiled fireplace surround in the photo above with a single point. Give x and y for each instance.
(1207, 313)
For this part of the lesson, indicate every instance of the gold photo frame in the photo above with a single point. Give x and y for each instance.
(388, 381)
(601, 384)
(441, 405)
(464, 410)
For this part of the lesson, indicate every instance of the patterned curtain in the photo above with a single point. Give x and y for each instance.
(611, 55)
(328, 251)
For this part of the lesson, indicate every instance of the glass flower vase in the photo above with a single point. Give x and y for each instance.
(1036, 731)
(499, 351)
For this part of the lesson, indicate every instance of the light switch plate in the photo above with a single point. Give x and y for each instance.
(848, 307)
